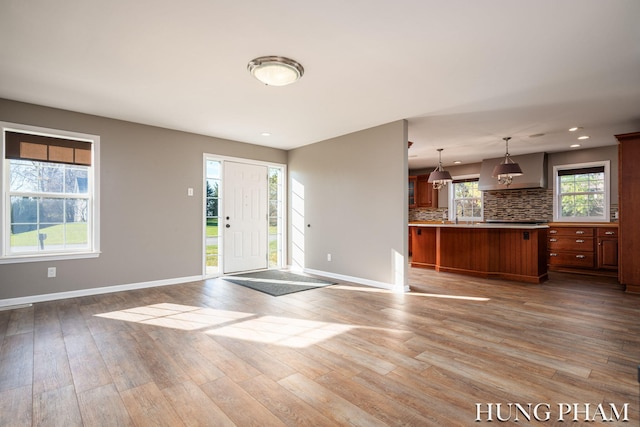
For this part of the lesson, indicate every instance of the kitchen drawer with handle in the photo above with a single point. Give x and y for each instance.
(572, 259)
(607, 232)
(584, 244)
(570, 231)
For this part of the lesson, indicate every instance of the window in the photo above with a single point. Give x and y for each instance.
(276, 217)
(581, 192)
(466, 200)
(49, 204)
(213, 180)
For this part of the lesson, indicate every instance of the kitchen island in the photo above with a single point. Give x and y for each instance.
(502, 251)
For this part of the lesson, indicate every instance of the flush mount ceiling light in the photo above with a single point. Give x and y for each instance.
(506, 170)
(439, 177)
(275, 70)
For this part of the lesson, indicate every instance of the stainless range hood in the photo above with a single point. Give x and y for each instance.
(534, 173)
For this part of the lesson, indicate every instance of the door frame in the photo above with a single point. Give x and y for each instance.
(221, 196)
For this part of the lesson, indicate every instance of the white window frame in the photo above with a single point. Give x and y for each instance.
(94, 179)
(557, 210)
(452, 207)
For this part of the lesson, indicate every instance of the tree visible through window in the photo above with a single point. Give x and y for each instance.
(581, 192)
(466, 200)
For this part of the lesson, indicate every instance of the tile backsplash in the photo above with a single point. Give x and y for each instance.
(504, 205)
(530, 203)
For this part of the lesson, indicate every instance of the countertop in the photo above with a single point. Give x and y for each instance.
(583, 224)
(476, 225)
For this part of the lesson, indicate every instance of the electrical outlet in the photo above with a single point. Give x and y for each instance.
(189, 191)
(328, 257)
(51, 272)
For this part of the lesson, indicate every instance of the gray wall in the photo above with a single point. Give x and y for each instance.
(355, 201)
(149, 229)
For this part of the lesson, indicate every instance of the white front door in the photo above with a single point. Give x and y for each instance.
(245, 217)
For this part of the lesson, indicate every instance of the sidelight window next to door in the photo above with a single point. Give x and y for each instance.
(215, 222)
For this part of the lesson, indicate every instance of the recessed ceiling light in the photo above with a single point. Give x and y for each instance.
(536, 135)
(275, 70)
(265, 134)
(583, 137)
(573, 129)
(457, 162)
(575, 145)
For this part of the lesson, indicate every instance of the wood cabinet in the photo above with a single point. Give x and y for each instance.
(628, 207)
(502, 253)
(583, 248)
(607, 248)
(571, 247)
(412, 191)
(423, 247)
(426, 196)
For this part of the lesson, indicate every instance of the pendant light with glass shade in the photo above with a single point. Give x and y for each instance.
(439, 177)
(507, 169)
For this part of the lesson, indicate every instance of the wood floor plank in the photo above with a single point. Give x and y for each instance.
(147, 406)
(375, 403)
(254, 355)
(57, 408)
(235, 368)
(338, 409)
(85, 362)
(284, 404)
(127, 367)
(16, 361)
(194, 364)
(51, 369)
(238, 405)
(16, 407)
(194, 407)
(20, 321)
(103, 406)
(163, 369)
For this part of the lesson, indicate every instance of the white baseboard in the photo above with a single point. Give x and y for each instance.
(358, 280)
(95, 291)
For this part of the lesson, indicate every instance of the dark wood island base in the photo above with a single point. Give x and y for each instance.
(515, 253)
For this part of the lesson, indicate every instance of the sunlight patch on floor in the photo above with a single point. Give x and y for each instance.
(284, 331)
(278, 330)
(176, 316)
(411, 293)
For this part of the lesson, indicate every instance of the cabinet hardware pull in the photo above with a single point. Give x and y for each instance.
(580, 256)
(553, 254)
(579, 241)
(609, 232)
(553, 231)
(553, 240)
(579, 232)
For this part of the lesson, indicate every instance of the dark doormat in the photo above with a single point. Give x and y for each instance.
(276, 282)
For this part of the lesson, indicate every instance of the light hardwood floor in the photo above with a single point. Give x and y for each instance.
(214, 353)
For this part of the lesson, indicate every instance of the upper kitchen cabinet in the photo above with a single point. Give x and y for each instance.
(412, 191)
(629, 206)
(426, 196)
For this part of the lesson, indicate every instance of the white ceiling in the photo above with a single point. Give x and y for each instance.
(464, 73)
